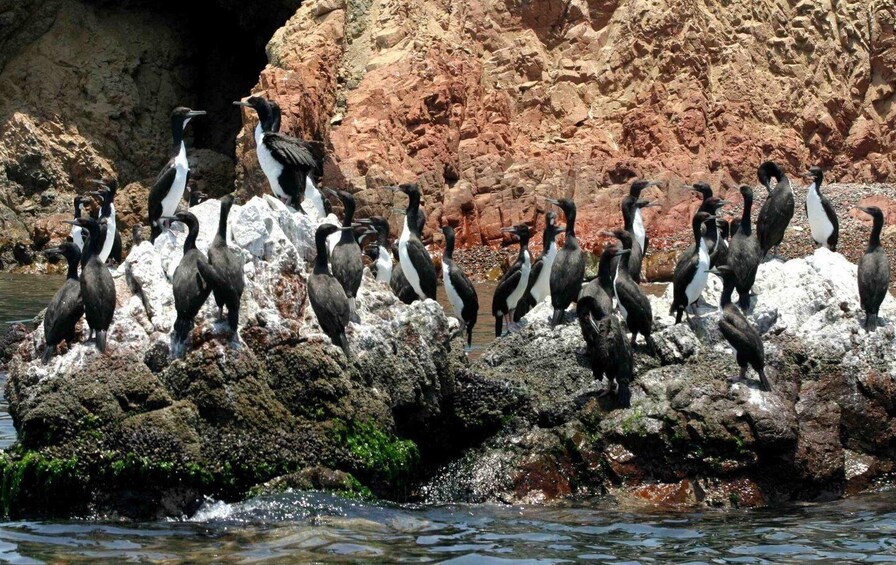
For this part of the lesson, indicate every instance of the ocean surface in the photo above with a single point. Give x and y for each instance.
(305, 527)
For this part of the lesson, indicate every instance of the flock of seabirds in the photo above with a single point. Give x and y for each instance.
(606, 306)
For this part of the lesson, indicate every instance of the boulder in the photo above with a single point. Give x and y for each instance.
(690, 436)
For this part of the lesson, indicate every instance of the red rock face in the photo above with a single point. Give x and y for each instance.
(491, 107)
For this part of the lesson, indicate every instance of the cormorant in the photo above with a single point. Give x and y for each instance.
(569, 265)
(66, 307)
(690, 278)
(458, 287)
(608, 349)
(416, 264)
(874, 270)
(744, 252)
(78, 236)
(777, 211)
(345, 257)
(290, 164)
(327, 297)
(540, 276)
(719, 256)
(224, 270)
(382, 258)
(631, 300)
(191, 288)
(111, 247)
(97, 286)
(168, 190)
(513, 284)
(739, 332)
(822, 219)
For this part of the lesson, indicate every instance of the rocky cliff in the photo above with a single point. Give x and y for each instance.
(491, 106)
(495, 105)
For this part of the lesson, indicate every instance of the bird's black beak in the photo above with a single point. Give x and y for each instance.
(512, 230)
(552, 201)
(331, 192)
(53, 251)
(71, 222)
(401, 211)
(195, 113)
(620, 252)
(652, 183)
(606, 233)
(241, 103)
(724, 202)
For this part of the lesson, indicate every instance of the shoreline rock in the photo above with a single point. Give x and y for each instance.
(135, 434)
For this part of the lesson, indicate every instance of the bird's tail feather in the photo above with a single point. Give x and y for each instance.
(48, 353)
(182, 330)
(101, 341)
(343, 343)
(499, 325)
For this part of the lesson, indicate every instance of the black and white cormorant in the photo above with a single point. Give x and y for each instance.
(78, 234)
(66, 307)
(291, 165)
(568, 270)
(327, 297)
(739, 332)
(719, 255)
(191, 288)
(345, 256)
(607, 348)
(744, 252)
(168, 190)
(690, 277)
(111, 248)
(97, 286)
(777, 210)
(416, 264)
(631, 219)
(630, 299)
(512, 286)
(823, 221)
(711, 206)
(224, 270)
(380, 251)
(540, 276)
(461, 293)
(637, 229)
(874, 270)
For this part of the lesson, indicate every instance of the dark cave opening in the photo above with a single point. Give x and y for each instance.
(225, 45)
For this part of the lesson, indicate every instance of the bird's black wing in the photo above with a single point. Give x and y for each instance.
(290, 151)
(873, 279)
(683, 259)
(159, 189)
(682, 277)
(421, 261)
(741, 334)
(466, 291)
(508, 282)
(832, 216)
